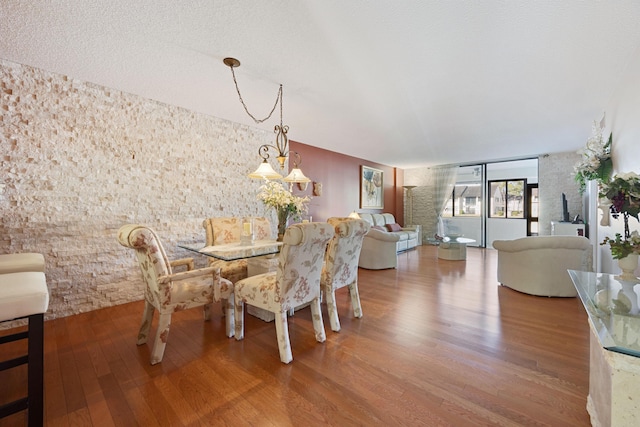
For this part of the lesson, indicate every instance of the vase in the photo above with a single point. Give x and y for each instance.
(628, 266)
(628, 297)
(283, 216)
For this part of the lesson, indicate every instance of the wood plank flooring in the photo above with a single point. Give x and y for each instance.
(440, 344)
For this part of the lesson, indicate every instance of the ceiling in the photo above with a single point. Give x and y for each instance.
(403, 83)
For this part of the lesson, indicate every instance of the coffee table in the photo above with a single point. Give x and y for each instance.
(454, 248)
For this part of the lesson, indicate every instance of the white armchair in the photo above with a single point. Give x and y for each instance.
(538, 265)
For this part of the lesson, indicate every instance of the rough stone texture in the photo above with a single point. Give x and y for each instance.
(78, 161)
(423, 208)
(554, 178)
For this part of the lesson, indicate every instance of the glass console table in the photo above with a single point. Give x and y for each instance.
(614, 347)
(612, 307)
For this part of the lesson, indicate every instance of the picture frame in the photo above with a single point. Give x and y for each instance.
(371, 188)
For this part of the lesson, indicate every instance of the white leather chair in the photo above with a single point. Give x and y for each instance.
(24, 295)
(17, 262)
(296, 282)
(167, 291)
(341, 265)
(538, 265)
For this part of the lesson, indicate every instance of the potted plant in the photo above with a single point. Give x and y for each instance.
(623, 191)
(595, 162)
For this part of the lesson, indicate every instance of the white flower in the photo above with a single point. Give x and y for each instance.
(273, 194)
(628, 176)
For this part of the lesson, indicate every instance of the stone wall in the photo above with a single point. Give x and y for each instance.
(78, 160)
(555, 176)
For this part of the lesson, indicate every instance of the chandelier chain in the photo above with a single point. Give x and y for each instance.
(278, 99)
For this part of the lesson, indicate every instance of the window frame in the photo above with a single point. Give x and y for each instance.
(507, 214)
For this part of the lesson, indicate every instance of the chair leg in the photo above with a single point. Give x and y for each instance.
(332, 310)
(206, 311)
(228, 310)
(239, 318)
(316, 316)
(282, 332)
(355, 299)
(160, 341)
(145, 325)
(35, 370)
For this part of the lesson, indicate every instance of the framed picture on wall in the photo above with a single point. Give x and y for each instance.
(371, 188)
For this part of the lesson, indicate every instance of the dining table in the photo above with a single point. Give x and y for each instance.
(236, 250)
(259, 255)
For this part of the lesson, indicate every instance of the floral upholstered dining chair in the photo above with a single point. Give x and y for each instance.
(296, 282)
(167, 291)
(225, 230)
(341, 265)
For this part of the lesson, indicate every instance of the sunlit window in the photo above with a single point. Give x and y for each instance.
(507, 198)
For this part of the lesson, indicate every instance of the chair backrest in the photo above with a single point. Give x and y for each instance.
(343, 251)
(262, 228)
(300, 263)
(151, 256)
(223, 230)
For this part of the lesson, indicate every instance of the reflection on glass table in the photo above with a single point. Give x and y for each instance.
(612, 307)
(453, 247)
(236, 250)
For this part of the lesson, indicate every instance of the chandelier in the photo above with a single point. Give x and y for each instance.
(265, 171)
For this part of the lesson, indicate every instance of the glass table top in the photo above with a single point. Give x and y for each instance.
(234, 251)
(612, 306)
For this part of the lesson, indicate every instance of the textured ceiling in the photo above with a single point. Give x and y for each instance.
(406, 84)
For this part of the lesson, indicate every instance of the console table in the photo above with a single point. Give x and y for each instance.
(614, 320)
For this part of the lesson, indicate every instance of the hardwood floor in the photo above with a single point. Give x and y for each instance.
(440, 344)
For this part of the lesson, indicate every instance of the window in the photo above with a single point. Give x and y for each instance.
(507, 198)
(466, 198)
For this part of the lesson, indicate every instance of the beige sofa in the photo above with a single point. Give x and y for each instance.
(538, 265)
(381, 245)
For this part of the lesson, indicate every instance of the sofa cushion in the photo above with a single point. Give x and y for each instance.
(378, 227)
(393, 227)
(378, 219)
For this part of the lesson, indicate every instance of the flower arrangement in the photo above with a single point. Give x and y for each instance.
(274, 195)
(622, 248)
(596, 163)
(624, 193)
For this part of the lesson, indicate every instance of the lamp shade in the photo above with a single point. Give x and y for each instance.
(265, 171)
(296, 175)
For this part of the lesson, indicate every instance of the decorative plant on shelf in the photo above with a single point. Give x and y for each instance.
(274, 195)
(621, 248)
(596, 163)
(624, 193)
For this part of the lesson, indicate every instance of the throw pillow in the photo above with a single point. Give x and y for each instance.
(378, 227)
(393, 227)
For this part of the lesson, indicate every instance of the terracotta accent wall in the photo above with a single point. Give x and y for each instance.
(340, 178)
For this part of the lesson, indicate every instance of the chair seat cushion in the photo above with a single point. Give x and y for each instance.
(28, 261)
(23, 294)
(259, 291)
